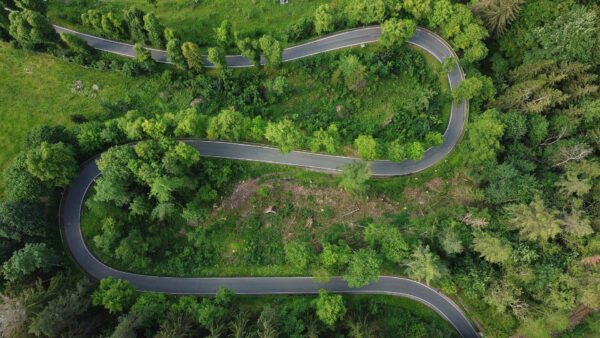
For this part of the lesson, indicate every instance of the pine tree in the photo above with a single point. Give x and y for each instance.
(497, 15)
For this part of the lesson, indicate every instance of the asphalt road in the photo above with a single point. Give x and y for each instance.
(73, 198)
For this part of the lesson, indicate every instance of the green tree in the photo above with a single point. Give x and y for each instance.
(33, 5)
(155, 30)
(325, 139)
(92, 18)
(284, 134)
(4, 24)
(365, 11)
(387, 240)
(363, 269)
(142, 55)
(355, 176)
(467, 89)
(53, 163)
(414, 150)
(335, 257)
(483, 138)
(330, 308)
(354, 73)
(571, 37)
(271, 49)
(32, 30)
(396, 151)
(367, 147)
(324, 19)
(535, 222)
(113, 26)
(62, 311)
(224, 34)
(299, 255)
(395, 32)
(32, 258)
(191, 52)
(135, 20)
(22, 219)
(20, 184)
(418, 8)
(451, 242)
(217, 57)
(423, 265)
(498, 15)
(229, 124)
(251, 49)
(491, 248)
(116, 295)
(77, 44)
(175, 54)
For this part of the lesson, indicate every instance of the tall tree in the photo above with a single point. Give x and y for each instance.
(135, 21)
(330, 308)
(364, 268)
(33, 5)
(224, 34)
(116, 295)
(32, 30)
(324, 19)
(194, 58)
(483, 138)
(251, 49)
(535, 221)
(284, 134)
(155, 30)
(395, 32)
(418, 8)
(22, 219)
(367, 147)
(53, 163)
(229, 124)
(491, 248)
(423, 265)
(355, 176)
(498, 15)
(175, 54)
(217, 57)
(271, 49)
(31, 258)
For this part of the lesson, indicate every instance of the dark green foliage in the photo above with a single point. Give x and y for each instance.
(33, 5)
(135, 21)
(364, 268)
(54, 164)
(62, 312)
(21, 220)
(20, 184)
(116, 295)
(155, 30)
(32, 258)
(32, 30)
(77, 44)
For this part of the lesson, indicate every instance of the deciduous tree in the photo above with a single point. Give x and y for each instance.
(53, 163)
(217, 57)
(367, 147)
(423, 265)
(32, 258)
(324, 19)
(330, 308)
(395, 32)
(493, 249)
(284, 134)
(355, 176)
(155, 30)
(194, 58)
(271, 49)
(363, 269)
(116, 295)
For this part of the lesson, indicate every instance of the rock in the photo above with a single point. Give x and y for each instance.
(341, 111)
(197, 101)
(269, 210)
(95, 87)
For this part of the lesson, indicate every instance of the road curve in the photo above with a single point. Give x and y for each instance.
(73, 198)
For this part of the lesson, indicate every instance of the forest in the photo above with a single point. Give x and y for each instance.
(507, 225)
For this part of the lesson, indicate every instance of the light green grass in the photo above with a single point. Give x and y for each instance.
(195, 21)
(35, 89)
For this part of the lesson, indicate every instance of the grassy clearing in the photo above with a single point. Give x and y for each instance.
(37, 89)
(196, 20)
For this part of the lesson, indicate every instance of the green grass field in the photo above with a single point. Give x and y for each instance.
(36, 89)
(196, 19)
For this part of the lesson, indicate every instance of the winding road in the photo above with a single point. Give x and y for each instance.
(73, 198)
